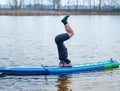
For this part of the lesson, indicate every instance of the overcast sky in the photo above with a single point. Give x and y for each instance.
(63, 2)
(4, 1)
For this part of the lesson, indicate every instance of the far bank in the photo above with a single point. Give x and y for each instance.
(33, 12)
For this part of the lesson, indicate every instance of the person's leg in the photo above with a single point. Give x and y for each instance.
(68, 28)
(62, 50)
(70, 32)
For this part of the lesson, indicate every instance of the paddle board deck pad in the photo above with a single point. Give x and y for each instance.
(49, 70)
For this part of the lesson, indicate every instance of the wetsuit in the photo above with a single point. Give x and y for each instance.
(62, 50)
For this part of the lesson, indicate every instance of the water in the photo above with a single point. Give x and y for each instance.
(29, 40)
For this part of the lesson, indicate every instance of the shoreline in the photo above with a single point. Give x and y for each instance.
(32, 12)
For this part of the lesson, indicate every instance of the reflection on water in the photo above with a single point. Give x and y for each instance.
(30, 41)
(63, 83)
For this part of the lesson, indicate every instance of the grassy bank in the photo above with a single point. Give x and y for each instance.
(31, 12)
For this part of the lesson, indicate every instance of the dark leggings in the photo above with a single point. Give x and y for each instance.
(62, 50)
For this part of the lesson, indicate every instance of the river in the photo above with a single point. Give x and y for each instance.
(29, 41)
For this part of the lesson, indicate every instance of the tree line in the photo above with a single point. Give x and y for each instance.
(70, 4)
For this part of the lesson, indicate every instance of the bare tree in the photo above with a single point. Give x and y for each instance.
(100, 5)
(15, 4)
(68, 4)
(94, 3)
(56, 4)
(77, 1)
(89, 3)
(114, 3)
(21, 4)
(41, 4)
(71, 4)
(9, 3)
(83, 3)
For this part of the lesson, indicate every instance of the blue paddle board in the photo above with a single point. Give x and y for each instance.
(49, 70)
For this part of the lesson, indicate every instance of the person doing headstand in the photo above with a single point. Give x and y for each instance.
(59, 40)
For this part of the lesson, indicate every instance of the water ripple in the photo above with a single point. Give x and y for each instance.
(30, 41)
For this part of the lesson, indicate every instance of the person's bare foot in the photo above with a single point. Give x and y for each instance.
(67, 65)
(60, 64)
